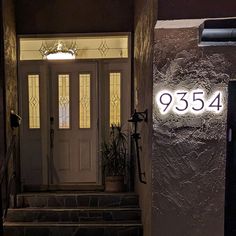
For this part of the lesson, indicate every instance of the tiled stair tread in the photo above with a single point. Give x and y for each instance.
(72, 224)
(73, 215)
(91, 208)
(81, 207)
(75, 209)
(49, 229)
(39, 194)
(74, 201)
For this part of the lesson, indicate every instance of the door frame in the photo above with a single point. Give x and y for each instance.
(101, 134)
(74, 69)
(46, 66)
(46, 126)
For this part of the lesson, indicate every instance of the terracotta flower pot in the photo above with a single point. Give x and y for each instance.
(114, 184)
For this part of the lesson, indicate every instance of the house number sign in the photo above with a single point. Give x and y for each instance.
(193, 101)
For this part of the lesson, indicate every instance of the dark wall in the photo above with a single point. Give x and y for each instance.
(145, 19)
(190, 9)
(8, 80)
(73, 16)
(2, 85)
(10, 63)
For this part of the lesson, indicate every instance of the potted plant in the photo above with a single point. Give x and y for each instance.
(114, 159)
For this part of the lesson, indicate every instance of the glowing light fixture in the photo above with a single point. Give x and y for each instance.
(59, 50)
(60, 56)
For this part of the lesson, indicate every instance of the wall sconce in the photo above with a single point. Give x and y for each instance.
(135, 119)
(15, 120)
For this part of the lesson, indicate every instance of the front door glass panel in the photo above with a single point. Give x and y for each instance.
(33, 101)
(84, 101)
(115, 98)
(64, 101)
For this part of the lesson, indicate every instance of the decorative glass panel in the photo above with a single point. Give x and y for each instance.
(33, 99)
(64, 101)
(87, 47)
(115, 81)
(84, 101)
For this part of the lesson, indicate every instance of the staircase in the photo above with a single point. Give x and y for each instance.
(74, 214)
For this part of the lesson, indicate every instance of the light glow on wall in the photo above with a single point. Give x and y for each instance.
(164, 101)
(197, 101)
(215, 102)
(181, 99)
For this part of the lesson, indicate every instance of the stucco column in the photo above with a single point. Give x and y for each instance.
(189, 148)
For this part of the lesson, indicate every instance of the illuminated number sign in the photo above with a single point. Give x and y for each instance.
(194, 101)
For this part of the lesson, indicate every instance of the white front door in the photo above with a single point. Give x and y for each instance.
(59, 134)
(73, 115)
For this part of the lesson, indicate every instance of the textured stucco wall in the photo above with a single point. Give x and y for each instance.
(8, 80)
(10, 62)
(10, 70)
(189, 151)
(2, 85)
(143, 52)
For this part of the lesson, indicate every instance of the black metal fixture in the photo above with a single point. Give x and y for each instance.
(135, 119)
(219, 35)
(15, 119)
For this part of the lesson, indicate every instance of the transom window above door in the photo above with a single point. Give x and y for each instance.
(82, 47)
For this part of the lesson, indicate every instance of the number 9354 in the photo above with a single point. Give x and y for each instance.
(194, 101)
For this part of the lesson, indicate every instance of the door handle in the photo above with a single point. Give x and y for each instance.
(230, 134)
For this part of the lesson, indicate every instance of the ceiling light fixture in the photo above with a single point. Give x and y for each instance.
(59, 50)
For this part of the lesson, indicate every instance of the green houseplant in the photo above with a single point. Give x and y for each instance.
(114, 159)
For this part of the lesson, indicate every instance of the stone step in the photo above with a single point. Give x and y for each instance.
(73, 215)
(91, 229)
(77, 200)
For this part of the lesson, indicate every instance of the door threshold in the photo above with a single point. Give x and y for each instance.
(62, 187)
